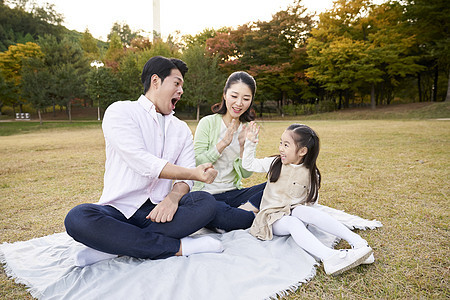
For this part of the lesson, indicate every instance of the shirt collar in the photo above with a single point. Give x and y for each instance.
(297, 166)
(149, 106)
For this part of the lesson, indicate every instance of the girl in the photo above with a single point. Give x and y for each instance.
(292, 189)
(219, 139)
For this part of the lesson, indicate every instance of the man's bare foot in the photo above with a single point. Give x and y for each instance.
(249, 207)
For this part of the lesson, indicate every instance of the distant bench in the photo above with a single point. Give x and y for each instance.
(23, 116)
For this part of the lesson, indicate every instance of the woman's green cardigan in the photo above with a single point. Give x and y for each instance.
(205, 141)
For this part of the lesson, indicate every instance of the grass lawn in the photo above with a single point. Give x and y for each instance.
(395, 171)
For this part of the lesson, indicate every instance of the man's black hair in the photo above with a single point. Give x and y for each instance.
(162, 67)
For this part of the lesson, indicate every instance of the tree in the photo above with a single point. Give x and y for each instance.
(11, 63)
(115, 51)
(89, 45)
(202, 37)
(47, 14)
(358, 45)
(225, 46)
(204, 81)
(124, 32)
(103, 85)
(36, 85)
(5, 92)
(267, 50)
(130, 76)
(67, 67)
(24, 21)
(429, 22)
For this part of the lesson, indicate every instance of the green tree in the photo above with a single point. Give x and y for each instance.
(115, 51)
(357, 46)
(204, 81)
(102, 84)
(47, 14)
(67, 67)
(429, 22)
(158, 47)
(89, 45)
(25, 21)
(11, 63)
(36, 84)
(124, 32)
(130, 76)
(202, 37)
(5, 92)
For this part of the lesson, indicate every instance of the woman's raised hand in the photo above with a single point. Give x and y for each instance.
(231, 129)
(252, 132)
(228, 138)
(242, 135)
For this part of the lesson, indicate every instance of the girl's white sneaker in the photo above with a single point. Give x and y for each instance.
(345, 259)
(370, 259)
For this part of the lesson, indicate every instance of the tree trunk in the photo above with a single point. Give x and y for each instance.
(340, 100)
(54, 109)
(372, 97)
(198, 111)
(377, 95)
(261, 104)
(419, 86)
(283, 101)
(447, 99)
(69, 110)
(346, 98)
(40, 117)
(435, 84)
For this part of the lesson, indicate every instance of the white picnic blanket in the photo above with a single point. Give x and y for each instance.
(247, 269)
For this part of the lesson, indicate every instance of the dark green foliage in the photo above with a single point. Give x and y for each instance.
(103, 86)
(19, 26)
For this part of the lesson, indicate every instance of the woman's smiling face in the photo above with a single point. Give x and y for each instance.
(238, 99)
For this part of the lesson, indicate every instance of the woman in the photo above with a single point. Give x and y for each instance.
(219, 139)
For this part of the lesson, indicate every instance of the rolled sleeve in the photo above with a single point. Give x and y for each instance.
(187, 156)
(204, 142)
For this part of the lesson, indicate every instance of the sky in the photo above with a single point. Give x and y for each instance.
(186, 16)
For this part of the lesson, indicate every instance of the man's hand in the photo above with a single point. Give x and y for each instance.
(164, 210)
(205, 173)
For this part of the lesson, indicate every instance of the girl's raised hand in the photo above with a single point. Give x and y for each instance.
(252, 132)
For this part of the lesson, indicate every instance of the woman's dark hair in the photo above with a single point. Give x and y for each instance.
(303, 136)
(162, 67)
(244, 77)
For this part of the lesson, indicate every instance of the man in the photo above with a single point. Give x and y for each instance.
(146, 210)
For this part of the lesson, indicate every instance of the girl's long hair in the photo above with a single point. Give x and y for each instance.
(303, 136)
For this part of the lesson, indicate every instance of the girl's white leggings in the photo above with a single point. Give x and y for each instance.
(302, 215)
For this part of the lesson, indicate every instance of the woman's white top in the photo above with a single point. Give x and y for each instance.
(224, 164)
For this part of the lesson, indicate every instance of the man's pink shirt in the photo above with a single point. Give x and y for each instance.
(135, 154)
